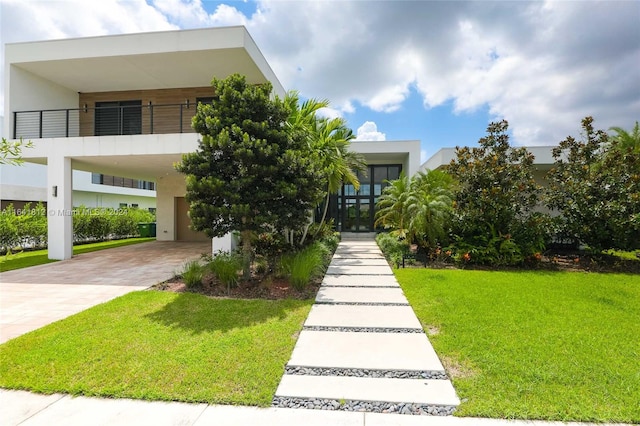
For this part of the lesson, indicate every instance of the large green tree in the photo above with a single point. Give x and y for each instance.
(250, 173)
(494, 210)
(595, 186)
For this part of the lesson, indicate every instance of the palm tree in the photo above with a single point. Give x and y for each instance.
(332, 138)
(430, 206)
(625, 140)
(393, 206)
(418, 208)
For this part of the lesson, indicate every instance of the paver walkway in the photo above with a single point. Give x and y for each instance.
(362, 347)
(33, 297)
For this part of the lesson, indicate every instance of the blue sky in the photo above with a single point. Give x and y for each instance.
(437, 71)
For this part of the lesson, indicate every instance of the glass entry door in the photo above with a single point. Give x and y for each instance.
(357, 214)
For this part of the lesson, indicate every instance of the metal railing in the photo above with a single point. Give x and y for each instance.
(104, 120)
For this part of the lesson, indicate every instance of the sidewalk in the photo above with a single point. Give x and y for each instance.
(27, 409)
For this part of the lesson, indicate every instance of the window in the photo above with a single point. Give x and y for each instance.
(207, 99)
(96, 178)
(118, 118)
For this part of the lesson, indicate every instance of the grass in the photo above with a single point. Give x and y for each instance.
(25, 259)
(161, 346)
(534, 345)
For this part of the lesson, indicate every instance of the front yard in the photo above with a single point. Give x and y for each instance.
(161, 346)
(534, 345)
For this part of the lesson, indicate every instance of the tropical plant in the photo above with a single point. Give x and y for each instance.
(392, 208)
(430, 207)
(392, 247)
(419, 208)
(626, 140)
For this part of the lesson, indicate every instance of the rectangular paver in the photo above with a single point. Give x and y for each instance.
(431, 392)
(358, 255)
(359, 270)
(362, 316)
(360, 280)
(360, 295)
(358, 262)
(382, 351)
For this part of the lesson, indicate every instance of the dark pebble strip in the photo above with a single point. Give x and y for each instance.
(362, 303)
(360, 372)
(363, 406)
(362, 286)
(362, 329)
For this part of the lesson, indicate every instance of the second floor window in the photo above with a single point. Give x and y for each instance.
(118, 118)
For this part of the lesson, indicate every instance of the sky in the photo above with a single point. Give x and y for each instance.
(436, 71)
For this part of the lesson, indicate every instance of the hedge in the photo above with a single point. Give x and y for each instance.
(27, 227)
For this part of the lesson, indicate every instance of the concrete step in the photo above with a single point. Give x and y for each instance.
(360, 280)
(428, 392)
(362, 316)
(359, 255)
(358, 262)
(360, 295)
(381, 351)
(359, 270)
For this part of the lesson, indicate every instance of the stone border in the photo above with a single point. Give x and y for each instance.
(362, 372)
(321, 302)
(362, 406)
(360, 286)
(362, 329)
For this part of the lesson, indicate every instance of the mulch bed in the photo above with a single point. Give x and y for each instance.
(258, 287)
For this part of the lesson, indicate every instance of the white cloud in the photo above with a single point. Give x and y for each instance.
(541, 65)
(369, 132)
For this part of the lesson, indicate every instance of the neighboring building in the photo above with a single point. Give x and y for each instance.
(24, 184)
(543, 161)
(122, 106)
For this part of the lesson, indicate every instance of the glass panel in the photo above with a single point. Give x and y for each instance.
(365, 216)
(349, 190)
(394, 172)
(379, 174)
(131, 117)
(365, 189)
(107, 119)
(350, 215)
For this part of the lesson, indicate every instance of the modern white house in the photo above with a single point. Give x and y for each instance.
(121, 106)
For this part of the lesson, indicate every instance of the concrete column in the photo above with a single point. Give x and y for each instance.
(59, 207)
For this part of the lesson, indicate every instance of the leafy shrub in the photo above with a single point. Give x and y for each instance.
(225, 267)
(192, 274)
(392, 247)
(302, 266)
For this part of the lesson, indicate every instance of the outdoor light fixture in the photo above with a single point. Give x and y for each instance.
(86, 108)
(54, 190)
(187, 102)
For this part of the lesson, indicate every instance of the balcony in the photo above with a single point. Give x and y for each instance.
(110, 118)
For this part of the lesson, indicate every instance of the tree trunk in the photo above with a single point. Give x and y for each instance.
(246, 254)
(324, 214)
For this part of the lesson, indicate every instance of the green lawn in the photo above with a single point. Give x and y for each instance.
(39, 257)
(534, 345)
(161, 346)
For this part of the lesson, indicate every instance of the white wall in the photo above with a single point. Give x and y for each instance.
(25, 91)
(96, 199)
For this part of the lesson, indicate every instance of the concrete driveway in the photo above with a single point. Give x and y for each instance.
(33, 297)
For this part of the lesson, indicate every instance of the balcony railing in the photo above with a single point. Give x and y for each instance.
(103, 121)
